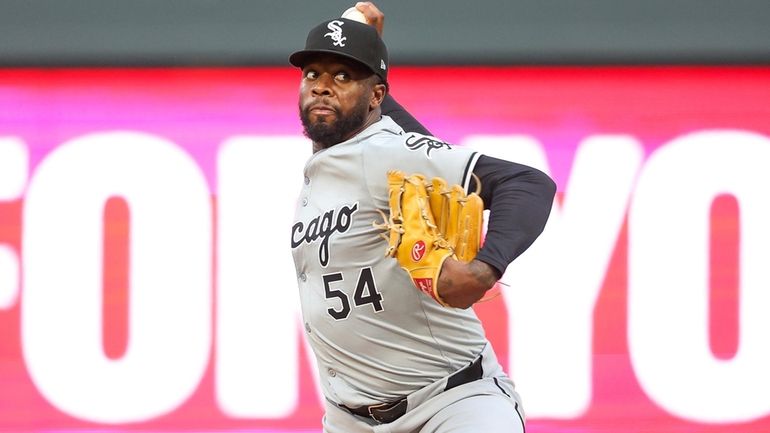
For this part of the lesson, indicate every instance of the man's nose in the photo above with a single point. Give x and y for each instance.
(322, 85)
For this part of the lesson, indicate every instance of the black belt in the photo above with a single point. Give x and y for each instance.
(389, 412)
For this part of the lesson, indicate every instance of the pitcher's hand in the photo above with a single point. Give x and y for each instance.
(462, 284)
(374, 17)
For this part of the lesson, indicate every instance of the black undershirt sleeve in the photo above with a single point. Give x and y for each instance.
(402, 117)
(518, 197)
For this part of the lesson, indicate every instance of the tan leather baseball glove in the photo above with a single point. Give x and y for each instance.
(428, 222)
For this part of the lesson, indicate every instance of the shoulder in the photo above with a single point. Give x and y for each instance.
(418, 153)
(396, 142)
(430, 149)
(424, 144)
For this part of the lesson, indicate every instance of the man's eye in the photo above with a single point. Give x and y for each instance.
(311, 75)
(342, 76)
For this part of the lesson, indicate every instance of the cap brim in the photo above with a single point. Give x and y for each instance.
(300, 58)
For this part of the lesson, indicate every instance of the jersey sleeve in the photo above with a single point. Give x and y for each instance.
(416, 153)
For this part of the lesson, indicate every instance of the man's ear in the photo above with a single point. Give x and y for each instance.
(378, 95)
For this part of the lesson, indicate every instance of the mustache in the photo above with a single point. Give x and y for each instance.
(319, 103)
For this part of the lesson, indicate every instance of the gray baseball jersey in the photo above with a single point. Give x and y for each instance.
(376, 337)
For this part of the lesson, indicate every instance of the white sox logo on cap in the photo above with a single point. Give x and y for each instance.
(347, 38)
(336, 33)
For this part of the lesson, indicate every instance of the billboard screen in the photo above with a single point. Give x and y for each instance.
(146, 281)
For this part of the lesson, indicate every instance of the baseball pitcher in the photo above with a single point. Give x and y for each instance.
(386, 247)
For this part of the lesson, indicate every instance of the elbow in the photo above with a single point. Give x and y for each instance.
(547, 195)
(551, 186)
(548, 186)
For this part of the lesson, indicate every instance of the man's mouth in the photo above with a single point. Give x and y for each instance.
(322, 110)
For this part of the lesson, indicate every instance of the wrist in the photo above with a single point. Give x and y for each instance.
(485, 274)
(462, 284)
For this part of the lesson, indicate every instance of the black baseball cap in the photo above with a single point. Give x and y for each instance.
(346, 38)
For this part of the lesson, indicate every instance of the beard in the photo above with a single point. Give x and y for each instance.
(327, 134)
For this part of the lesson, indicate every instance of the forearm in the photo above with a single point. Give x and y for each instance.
(519, 199)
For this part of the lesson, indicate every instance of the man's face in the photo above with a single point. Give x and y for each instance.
(335, 99)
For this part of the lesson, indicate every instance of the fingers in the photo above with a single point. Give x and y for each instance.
(373, 15)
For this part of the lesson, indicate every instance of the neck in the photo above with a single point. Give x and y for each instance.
(317, 147)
